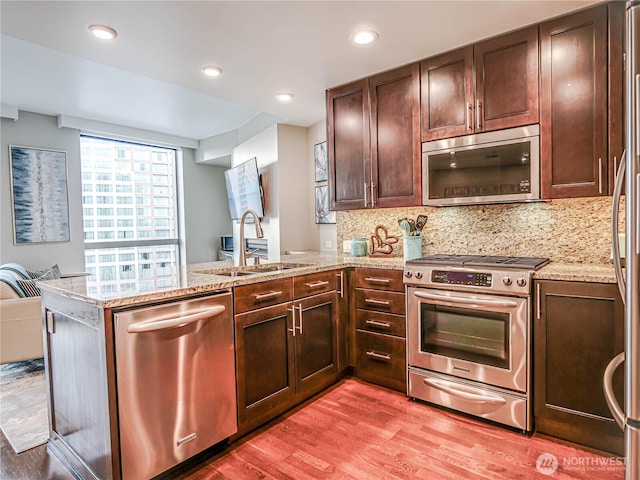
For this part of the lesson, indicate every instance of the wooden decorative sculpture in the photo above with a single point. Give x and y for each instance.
(382, 242)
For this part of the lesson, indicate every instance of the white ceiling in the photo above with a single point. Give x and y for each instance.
(149, 77)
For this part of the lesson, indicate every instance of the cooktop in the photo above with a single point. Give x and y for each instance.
(532, 263)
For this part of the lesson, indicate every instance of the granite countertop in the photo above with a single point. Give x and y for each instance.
(577, 272)
(200, 278)
(205, 278)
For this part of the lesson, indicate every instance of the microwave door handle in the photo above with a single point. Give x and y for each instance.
(467, 301)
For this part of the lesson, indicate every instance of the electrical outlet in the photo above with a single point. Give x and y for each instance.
(346, 246)
(328, 244)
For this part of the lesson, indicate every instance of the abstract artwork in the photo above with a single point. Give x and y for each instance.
(323, 214)
(320, 156)
(39, 195)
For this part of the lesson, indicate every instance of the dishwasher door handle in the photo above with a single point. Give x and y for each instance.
(153, 326)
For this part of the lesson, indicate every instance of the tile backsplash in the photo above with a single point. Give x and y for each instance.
(565, 230)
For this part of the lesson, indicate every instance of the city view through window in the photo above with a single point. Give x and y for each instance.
(130, 215)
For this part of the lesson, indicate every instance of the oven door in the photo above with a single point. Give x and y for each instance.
(479, 337)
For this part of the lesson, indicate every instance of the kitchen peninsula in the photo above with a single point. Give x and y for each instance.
(87, 433)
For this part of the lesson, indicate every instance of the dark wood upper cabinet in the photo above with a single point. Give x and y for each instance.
(488, 86)
(616, 88)
(447, 95)
(348, 144)
(574, 104)
(373, 136)
(395, 138)
(506, 70)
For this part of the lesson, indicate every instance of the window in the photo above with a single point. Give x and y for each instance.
(135, 240)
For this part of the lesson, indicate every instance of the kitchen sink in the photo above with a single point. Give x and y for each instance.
(252, 269)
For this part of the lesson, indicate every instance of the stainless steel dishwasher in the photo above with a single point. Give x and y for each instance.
(175, 368)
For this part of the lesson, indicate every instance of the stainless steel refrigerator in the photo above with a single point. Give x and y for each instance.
(628, 418)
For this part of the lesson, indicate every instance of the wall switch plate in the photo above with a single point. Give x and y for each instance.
(328, 244)
(346, 246)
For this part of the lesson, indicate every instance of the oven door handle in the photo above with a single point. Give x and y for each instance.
(467, 394)
(467, 301)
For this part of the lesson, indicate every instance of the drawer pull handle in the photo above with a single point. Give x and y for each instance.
(375, 323)
(377, 280)
(321, 283)
(373, 301)
(264, 296)
(379, 356)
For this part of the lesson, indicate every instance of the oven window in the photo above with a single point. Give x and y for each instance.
(466, 334)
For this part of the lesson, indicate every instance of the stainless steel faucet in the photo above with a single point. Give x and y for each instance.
(259, 234)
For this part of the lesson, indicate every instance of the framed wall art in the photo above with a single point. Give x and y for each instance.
(323, 214)
(320, 156)
(39, 195)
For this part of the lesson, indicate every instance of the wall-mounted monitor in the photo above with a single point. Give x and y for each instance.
(243, 189)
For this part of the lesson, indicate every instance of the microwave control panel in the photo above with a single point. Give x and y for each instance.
(476, 279)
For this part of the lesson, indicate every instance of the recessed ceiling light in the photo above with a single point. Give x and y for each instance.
(211, 71)
(103, 32)
(365, 37)
(284, 97)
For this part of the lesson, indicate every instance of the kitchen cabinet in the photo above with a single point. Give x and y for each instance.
(380, 347)
(487, 86)
(373, 139)
(579, 328)
(286, 349)
(581, 124)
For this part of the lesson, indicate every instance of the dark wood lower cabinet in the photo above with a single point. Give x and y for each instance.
(264, 363)
(381, 359)
(284, 354)
(578, 329)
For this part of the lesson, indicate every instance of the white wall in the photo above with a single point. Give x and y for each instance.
(206, 215)
(41, 131)
(296, 211)
(325, 234)
(282, 156)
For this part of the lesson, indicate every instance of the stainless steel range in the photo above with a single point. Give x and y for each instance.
(469, 334)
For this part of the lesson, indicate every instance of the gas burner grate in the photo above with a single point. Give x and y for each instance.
(532, 263)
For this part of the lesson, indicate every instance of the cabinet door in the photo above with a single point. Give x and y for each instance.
(573, 106)
(579, 328)
(506, 70)
(447, 95)
(264, 363)
(616, 88)
(348, 145)
(395, 138)
(316, 347)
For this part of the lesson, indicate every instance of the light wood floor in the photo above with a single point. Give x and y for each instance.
(359, 431)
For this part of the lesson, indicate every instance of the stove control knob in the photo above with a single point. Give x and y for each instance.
(408, 274)
(521, 282)
(418, 275)
(507, 280)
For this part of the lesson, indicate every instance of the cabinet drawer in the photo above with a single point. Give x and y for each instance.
(313, 284)
(386, 302)
(379, 279)
(263, 294)
(381, 323)
(381, 359)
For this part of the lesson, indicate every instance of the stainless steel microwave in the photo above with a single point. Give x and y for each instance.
(493, 167)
